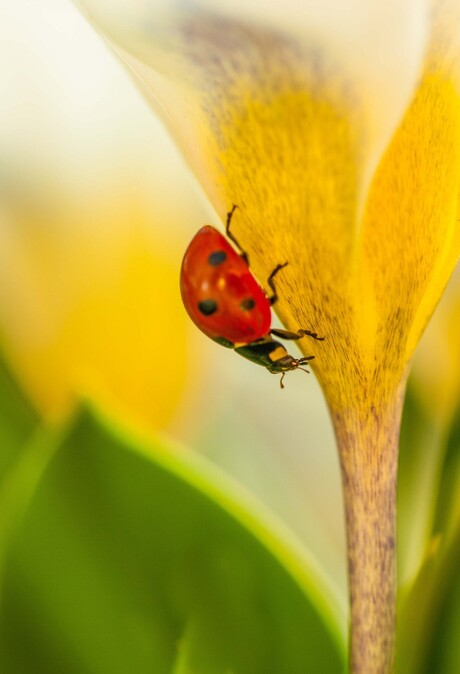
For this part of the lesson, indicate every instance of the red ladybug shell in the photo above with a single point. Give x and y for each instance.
(219, 292)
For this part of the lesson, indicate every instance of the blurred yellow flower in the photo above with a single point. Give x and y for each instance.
(91, 308)
(92, 229)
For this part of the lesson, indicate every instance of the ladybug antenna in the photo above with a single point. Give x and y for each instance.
(304, 360)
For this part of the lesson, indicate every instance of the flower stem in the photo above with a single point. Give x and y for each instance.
(368, 446)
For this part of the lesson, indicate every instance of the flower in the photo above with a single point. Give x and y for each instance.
(336, 165)
(337, 133)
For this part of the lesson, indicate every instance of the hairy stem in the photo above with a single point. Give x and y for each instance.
(368, 446)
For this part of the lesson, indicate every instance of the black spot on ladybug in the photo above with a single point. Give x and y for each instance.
(248, 303)
(216, 258)
(207, 307)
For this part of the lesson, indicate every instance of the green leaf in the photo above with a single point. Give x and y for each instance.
(17, 420)
(447, 519)
(443, 649)
(22, 455)
(420, 459)
(430, 606)
(443, 654)
(144, 559)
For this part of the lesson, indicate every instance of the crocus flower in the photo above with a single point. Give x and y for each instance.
(336, 130)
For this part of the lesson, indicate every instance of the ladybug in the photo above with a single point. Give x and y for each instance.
(225, 301)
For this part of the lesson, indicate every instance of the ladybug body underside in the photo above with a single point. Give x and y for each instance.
(268, 353)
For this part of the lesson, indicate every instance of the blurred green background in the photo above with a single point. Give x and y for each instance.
(165, 506)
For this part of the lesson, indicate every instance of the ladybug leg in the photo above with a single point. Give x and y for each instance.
(243, 254)
(274, 296)
(287, 334)
(308, 333)
(284, 334)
